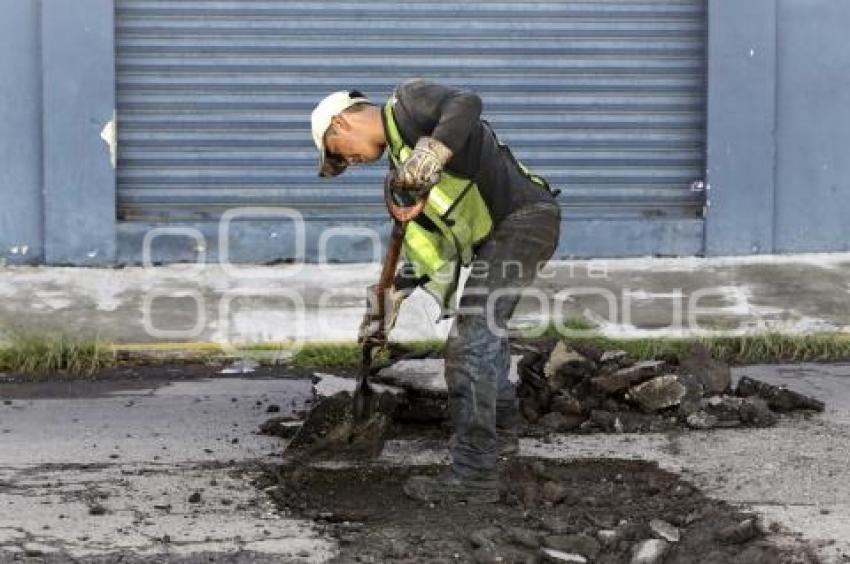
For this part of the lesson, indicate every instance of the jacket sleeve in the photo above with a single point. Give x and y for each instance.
(449, 114)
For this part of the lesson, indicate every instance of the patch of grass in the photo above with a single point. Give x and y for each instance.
(29, 354)
(785, 348)
(331, 355)
(424, 346)
(347, 355)
(767, 349)
(577, 324)
(44, 355)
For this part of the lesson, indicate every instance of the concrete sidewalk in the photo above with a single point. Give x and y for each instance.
(237, 304)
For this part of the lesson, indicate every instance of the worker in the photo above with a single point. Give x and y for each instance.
(484, 210)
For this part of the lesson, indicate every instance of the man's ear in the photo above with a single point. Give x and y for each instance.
(340, 122)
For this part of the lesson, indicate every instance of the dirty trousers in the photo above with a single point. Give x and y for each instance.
(481, 398)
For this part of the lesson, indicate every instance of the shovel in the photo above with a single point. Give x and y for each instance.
(364, 394)
(343, 425)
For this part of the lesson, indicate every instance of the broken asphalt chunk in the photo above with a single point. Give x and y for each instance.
(665, 530)
(658, 393)
(613, 360)
(282, 427)
(740, 533)
(566, 367)
(556, 556)
(714, 374)
(581, 544)
(650, 551)
(624, 378)
(779, 398)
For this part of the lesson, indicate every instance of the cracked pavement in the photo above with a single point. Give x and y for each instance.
(160, 470)
(112, 473)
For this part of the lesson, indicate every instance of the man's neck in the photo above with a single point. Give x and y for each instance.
(377, 134)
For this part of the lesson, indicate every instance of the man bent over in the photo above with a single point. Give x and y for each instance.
(484, 209)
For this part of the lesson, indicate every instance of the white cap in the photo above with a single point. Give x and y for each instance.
(324, 112)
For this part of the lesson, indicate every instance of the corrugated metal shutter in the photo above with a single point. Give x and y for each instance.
(604, 97)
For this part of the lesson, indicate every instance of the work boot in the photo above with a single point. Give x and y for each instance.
(446, 487)
(508, 442)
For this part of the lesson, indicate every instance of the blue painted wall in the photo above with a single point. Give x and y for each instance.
(778, 127)
(813, 126)
(741, 113)
(57, 184)
(778, 136)
(78, 65)
(21, 226)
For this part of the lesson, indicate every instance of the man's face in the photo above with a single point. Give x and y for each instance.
(347, 140)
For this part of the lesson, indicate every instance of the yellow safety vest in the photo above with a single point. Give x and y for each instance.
(457, 210)
(459, 220)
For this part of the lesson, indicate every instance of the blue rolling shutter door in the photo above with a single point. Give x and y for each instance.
(603, 97)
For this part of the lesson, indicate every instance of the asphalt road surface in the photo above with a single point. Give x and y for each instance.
(161, 469)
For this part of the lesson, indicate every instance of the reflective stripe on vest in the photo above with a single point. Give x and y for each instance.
(457, 209)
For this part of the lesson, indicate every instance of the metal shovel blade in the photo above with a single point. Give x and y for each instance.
(345, 425)
(333, 431)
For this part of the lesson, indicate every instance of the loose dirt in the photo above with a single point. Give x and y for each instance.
(601, 510)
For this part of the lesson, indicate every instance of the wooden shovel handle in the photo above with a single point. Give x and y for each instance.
(401, 216)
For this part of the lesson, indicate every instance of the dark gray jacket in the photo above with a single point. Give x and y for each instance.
(453, 117)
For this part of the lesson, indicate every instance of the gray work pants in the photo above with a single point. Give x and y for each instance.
(481, 398)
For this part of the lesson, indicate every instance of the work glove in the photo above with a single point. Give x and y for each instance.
(370, 326)
(422, 169)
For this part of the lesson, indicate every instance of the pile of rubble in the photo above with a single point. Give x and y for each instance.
(564, 387)
(583, 389)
